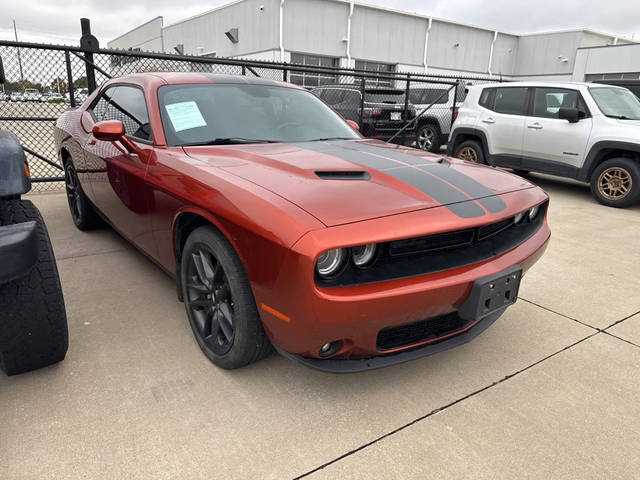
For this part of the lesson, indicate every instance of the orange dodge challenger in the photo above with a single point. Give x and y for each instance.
(284, 227)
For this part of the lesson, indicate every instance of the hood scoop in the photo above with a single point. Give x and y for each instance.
(344, 175)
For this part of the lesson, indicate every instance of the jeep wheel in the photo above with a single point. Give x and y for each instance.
(616, 182)
(33, 328)
(428, 138)
(470, 151)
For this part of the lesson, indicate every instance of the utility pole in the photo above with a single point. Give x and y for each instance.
(15, 32)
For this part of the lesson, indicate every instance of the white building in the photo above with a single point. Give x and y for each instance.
(348, 34)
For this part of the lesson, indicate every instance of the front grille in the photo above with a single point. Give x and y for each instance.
(431, 243)
(495, 228)
(416, 332)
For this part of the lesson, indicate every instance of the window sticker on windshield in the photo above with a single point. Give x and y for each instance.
(185, 115)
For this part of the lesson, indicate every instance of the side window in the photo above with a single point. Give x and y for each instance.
(351, 98)
(333, 96)
(548, 101)
(511, 100)
(100, 107)
(127, 104)
(486, 98)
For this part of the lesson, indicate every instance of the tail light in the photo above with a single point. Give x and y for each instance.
(454, 113)
(370, 112)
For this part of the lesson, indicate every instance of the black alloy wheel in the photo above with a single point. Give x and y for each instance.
(82, 212)
(209, 300)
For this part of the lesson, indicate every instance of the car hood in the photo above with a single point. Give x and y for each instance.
(347, 181)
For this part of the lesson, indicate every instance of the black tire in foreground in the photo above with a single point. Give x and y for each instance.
(616, 182)
(219, 301)
(471, 151)
(428, 137)
(82, 212)
(33, 321)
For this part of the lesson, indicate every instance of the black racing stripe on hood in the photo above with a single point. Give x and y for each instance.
(422, 180)
(439, 190)
(463, 182)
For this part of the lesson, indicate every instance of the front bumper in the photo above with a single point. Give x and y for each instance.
(353, 365)
(18, 250)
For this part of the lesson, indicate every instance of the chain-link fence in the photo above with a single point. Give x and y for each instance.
(44, 80)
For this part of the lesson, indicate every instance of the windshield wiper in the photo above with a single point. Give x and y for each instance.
(329, 138)
(229, 141)
(622, 117)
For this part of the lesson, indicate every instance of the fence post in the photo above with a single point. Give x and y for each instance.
(455, 100)
(285, 75)
(361, 110)
(89, 44)
(244, 70)
(67, 60)
(405, 113)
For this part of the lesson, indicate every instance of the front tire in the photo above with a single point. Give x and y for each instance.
(428, 138)
(616, 182)
(33, 321)
(219, 301)
(470, 151)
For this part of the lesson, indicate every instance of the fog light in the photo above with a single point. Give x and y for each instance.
(533, 212)
(329, 349)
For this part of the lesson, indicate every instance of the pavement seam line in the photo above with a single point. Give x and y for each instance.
(561, 314)
(621, 320)
(443, 408)
(106, 252)
(623, 339)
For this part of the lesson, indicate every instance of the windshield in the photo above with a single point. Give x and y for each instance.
(239, 113)
(384, 96)
(616, 102)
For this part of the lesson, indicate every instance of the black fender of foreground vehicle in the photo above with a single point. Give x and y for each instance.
(33, 321)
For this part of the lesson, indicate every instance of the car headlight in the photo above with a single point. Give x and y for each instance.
(329, 262)
(518, 218)
(362, 255)
(533, 212)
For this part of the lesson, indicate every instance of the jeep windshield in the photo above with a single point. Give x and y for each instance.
(223, 114)
(616, 102)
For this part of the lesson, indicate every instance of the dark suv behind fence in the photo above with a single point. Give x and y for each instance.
(381, 115)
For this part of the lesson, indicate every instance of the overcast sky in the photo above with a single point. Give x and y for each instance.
(56, 21)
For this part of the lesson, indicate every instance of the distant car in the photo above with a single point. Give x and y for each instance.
(382, 114)
(4, 96)
(441, 102)
(79, 95)
(585, 131)
(282, 225)
(16, 96)
(31, 95)
(33, 322)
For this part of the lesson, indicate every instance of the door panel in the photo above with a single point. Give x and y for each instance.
(546, 137)
(118, 178)
(503, 121)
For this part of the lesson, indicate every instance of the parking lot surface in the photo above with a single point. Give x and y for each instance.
(549, 391)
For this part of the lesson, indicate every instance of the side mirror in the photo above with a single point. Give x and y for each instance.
(113, 131)
(353, 125)
(570, 114)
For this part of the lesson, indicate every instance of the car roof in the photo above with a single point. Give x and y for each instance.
(558, 84)
(177, 78)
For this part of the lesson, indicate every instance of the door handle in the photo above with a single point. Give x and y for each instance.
(489, 120)
(535, 126)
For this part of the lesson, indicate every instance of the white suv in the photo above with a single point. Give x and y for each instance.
(589, 132)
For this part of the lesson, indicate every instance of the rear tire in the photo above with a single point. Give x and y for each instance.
(219, 301)
(33, 321)
(428, 137)
(616, 182)
(82, 212)
(471, 151)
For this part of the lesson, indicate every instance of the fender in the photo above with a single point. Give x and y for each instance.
(453, 143)
(591, 161)
(14, 179)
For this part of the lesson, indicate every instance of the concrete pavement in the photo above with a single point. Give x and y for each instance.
(549, 391)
